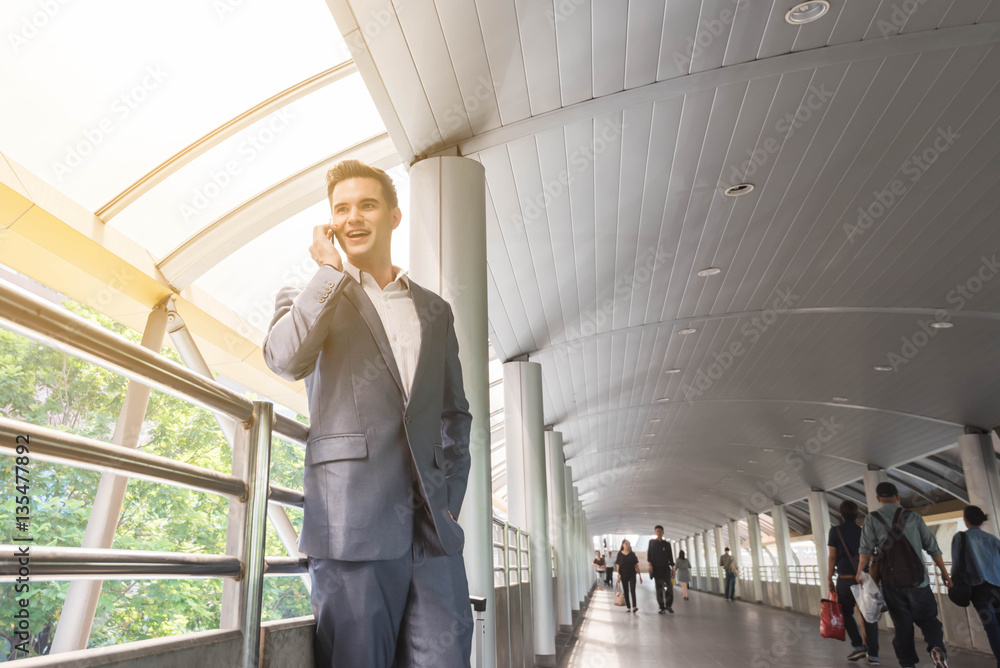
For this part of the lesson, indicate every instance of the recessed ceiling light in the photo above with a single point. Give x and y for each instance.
(689, 330)
(808, 420)
(840, 399)
(882, 367)
(739, 189)
(751, 461)
(710, 271)
(788, 436)
(672, 371)
(807, 12)
(655, 420)
(940, 324)
(662, 400)
(768, 449)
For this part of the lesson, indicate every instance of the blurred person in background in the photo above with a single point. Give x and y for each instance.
(627, 565)
(982, 566)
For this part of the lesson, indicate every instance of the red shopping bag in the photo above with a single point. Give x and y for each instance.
(831, 619)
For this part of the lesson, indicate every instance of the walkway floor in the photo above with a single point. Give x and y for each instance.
(707, 632)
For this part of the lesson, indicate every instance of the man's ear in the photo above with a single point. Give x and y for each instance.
(397, 217)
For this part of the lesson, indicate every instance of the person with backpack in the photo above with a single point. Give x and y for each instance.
(842, 548)
(896, 536)
(976, 557)
(729, 569)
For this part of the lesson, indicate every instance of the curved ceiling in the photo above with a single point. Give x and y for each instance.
(609, 131)
(870, 137)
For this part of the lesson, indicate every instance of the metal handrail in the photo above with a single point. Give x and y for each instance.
(41, 321)
(69, 563)
(63, 447)
(78, 563)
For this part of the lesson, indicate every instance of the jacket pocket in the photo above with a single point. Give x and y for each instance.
(439, 459)
(336, 447)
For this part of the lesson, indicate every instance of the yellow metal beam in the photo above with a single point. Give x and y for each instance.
(53, 240)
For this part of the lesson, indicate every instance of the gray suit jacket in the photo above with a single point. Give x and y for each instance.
(368, 447)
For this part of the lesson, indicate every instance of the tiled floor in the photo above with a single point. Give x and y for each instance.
(707, 632)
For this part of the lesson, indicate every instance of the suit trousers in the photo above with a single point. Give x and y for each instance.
(400, 613)
(664, 589)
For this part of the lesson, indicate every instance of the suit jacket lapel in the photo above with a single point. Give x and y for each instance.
(430, 331)
(357, 295)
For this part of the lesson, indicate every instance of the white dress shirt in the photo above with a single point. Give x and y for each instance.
(399, 318)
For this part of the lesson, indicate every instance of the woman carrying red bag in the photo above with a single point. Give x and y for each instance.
(842, 547)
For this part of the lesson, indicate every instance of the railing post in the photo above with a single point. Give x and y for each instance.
(258, 464)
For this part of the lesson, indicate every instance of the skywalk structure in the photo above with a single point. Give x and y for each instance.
(714, 265)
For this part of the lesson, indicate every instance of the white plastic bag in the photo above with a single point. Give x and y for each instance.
(869, 598)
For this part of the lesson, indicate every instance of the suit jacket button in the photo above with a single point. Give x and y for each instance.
(407, 419)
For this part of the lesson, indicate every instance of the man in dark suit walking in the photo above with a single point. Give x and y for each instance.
(387, 461)
(660, 556)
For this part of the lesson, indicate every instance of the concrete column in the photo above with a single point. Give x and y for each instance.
(719, 551)
(819, 518)
(448, 256)
(696, 561)
(979, 463)
(559, 527)
(872, 477)
(783, 544)
(77, 618)
(583, 571)
(572, 548)
(527, 496)
(708, 561)
(753, 530)
(734, 549)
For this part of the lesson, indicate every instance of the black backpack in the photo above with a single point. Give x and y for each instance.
(898, 563)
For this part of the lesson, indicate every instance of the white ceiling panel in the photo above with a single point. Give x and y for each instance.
(575, 52)
(472, 67)
(428, 49)
(642, 44)
(610, 19)
(499, 29)
(677, 43)
(536, 29)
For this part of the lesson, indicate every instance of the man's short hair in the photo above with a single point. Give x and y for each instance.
(657, 527)
(848, 509)
(886, 490)
(354, 169)
(727, 549)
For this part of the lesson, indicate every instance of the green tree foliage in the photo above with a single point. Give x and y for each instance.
(42, 386)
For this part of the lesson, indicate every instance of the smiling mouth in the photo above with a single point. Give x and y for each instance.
(356, 234)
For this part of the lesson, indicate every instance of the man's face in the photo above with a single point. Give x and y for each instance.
(362, 220)
(659, 533)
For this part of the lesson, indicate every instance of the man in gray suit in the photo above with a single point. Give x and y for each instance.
(387, 461)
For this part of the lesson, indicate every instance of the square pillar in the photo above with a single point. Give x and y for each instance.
(979, 463)
(819, 518)
(558, 526)
(783, 543)
(756, 557)
(734, 548)
(719, 551)
(872, 477)
(707, 586)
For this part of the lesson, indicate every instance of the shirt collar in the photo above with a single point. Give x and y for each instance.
(398, 274)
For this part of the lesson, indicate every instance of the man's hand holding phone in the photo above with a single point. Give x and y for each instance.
(322, 248)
